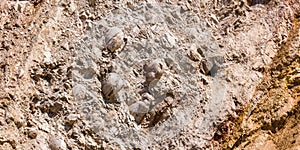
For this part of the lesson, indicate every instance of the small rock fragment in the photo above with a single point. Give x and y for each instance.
(210, 66)
(83, 15)
(148, 97)
(138, 110)
(32, 133)
(54, 108)
(150, 76)
(72, 7)
(154, 70)
(3, 60)
(169, 100)
(47, 58)
(90, 143)
(92, 3)
(57, 142)
(111, 86)
(214, 18)
(194, 56)
(6, 145)
(205, 67)
(20, 73)
(72, 118)
(114, 39)
(293, 80)
(159, 112)
(17, 117)
(169, 41)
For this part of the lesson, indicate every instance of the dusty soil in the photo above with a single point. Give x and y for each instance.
(151, 74)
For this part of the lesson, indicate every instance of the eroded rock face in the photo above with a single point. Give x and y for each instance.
(162, 81)
(133, 74)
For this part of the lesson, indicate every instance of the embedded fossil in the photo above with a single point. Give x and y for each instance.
(138, 110)
(154, 70)
(114, 39)
(111, 86)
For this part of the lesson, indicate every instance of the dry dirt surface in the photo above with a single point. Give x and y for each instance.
(164, 74)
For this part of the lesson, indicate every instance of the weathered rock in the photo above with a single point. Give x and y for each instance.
(72, 118)
(56, 142)
(153, 70)
(111, 86)
(138, 110)
(55, 107)
(181, 102)
(17, 117)
(32, 133)
(156, 50)
(114, 39)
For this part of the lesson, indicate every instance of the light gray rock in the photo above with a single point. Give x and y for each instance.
(56, 142)
(72, 118)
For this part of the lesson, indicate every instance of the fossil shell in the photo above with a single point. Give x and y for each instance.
(154, 70)
(114, 39)
(138, 110)
(111, 86)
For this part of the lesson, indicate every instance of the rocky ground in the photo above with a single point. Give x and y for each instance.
(134, 74)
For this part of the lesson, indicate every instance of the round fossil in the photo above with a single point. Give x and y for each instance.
(111, 86)
(114, 39)
(153, 70)
(138, 110)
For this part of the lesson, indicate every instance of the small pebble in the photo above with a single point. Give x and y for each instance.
(57, 142)
(111, 86)
(32, 133)
(114, 39)
(154, 70)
